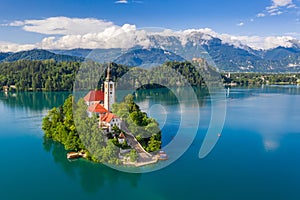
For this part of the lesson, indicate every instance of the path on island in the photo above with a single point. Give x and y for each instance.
(144, 157)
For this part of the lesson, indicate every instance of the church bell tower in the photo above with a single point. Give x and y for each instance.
(109, 91)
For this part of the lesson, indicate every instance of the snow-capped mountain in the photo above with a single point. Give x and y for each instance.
(225, 54)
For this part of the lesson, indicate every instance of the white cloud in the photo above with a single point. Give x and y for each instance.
(282, 2)
(79, 32)
(13, 47)
(241, 24)
(69, 33)
(291, 6)
(121, 1)
(278, 7)
(63, 25)
(255, 42)
(112, 37)
(275, 13)
(261, 15)
(15, 23)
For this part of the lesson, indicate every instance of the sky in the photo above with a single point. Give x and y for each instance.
(68, 24)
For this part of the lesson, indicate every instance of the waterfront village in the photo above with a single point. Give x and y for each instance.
(100, 102)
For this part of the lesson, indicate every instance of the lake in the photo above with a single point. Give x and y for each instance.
(256, 157)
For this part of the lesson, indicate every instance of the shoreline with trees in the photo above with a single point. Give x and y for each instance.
(49, 75)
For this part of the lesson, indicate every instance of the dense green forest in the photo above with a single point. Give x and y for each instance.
(257, 79)
(49, 75)
(38, 75)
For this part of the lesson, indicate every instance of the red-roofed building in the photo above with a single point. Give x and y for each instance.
(108, 120)
(121, 138)
(97, 109)
(94, 97)
(100, 102)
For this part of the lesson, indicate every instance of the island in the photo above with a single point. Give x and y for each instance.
(102, 130)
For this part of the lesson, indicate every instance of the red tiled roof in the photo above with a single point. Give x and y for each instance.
(97, 108)
(108, 117)
(121, 136)
(94, 95)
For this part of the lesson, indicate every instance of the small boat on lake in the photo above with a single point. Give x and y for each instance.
(74, 155)
(162, 155)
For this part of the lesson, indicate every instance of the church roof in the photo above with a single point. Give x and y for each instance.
(108, 117)
(94, 95)
(97, 108)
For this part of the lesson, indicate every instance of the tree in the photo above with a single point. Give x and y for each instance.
(153, 144)
(48, 84)
(109, 153)
(116, 129)
(59, 125)
(133, 155)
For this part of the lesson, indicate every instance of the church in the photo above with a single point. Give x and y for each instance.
(100, 103)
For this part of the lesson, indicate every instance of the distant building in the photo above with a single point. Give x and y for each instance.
(198, 60)
(5, 88)
(109, 120)
(12, 87)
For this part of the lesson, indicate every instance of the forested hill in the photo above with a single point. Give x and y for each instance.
(46, 75)
(3, 55)
(49, 75)
(37, 54)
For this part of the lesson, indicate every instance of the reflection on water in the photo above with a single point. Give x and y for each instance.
(166, 96)
(172, 109)
(92, 176)
(272, 111)
(25, 110)
(243, 92)
(35, 101)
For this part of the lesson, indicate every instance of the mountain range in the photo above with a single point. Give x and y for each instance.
(161, 48)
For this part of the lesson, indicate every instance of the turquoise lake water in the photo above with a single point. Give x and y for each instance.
(257, 156)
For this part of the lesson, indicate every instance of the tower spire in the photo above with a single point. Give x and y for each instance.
(108, 73)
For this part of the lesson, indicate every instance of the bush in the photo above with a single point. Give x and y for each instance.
(133, 156)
